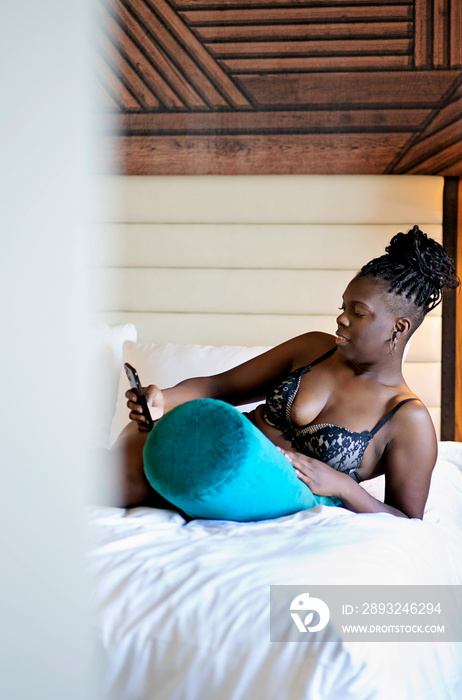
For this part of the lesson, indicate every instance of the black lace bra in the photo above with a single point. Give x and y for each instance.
(338, 447)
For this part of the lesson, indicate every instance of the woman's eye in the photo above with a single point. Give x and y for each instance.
(356, 313)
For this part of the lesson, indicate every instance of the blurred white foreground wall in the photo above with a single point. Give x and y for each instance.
(44, 639)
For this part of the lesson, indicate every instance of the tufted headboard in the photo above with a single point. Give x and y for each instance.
(255, 260)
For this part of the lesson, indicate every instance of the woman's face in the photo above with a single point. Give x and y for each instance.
(366, 323)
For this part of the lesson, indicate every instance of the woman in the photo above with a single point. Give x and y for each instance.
(337, 407)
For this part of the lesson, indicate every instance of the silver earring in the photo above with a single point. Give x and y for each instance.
(393, 344)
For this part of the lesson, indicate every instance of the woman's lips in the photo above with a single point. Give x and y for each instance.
(340, 339)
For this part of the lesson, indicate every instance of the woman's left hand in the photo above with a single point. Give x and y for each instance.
(321, 479)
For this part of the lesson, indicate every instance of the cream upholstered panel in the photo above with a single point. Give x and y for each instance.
(254, 260)
(270, 246)
(334, 199)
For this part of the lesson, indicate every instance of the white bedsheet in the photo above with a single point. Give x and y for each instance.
(183, 608)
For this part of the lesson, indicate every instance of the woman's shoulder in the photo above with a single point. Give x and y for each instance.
(413, 423)
(413, 410)
(309, 346)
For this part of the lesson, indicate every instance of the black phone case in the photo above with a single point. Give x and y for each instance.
(135, 384)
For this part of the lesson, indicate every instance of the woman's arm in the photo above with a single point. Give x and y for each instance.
(408, 463)
(245, 383)
(324, 480)
(409, 459)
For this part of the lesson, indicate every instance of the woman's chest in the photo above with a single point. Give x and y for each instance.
(320, 398)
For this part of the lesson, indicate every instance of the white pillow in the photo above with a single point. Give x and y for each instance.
(166, 365)
(105, 363)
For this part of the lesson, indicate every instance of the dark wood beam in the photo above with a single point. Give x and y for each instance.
(448, 355)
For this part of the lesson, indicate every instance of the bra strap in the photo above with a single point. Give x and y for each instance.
(320, 359)
(390, 415)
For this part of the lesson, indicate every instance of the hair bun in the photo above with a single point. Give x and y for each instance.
(416, 267)
(416, 251)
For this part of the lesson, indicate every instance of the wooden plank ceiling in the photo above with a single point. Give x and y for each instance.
(272, 86)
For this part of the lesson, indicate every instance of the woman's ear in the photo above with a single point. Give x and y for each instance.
(402, 327)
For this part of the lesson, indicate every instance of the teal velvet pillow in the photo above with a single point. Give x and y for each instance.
(210, 461)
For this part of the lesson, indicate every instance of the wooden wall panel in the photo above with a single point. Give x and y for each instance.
(280, 86)
(439, 143)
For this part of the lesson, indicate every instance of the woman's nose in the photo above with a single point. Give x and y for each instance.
(342, 320)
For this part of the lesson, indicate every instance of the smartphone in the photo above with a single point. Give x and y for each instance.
(135, 385)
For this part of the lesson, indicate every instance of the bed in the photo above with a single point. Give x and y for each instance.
(183, 608)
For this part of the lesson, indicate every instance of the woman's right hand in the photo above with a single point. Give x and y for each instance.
(154, 399)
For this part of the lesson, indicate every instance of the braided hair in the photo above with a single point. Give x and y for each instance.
(417, 269)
